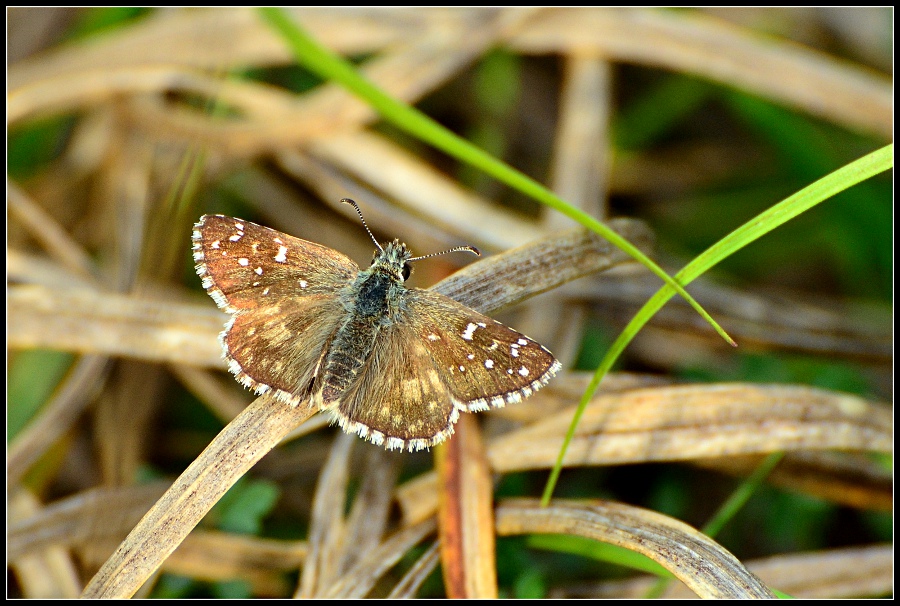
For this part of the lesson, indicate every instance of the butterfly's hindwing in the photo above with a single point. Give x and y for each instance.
(280, 346)
(398, 398)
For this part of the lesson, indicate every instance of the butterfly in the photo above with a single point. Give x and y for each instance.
(394, 365)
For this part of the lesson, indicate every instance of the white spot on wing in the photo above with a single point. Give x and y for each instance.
(488, 363)
(303, 283)
(244, 262)
(470, 330)
(523, 371)
(258, 271)
(281, 257)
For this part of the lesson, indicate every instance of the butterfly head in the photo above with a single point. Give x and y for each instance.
(394, 259)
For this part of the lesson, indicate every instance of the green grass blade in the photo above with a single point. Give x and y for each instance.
(829, 185)
(331, 67)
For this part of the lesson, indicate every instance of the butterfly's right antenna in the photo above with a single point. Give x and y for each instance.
(359, 212)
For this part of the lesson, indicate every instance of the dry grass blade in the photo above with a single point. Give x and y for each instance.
(43, 572)
(211, 388)
(579, 176)
(99, 322)
(409, 585)
(708, 47)
(369, 515)
(53, 238)
(121, 421)
(696, 421)
(825, 326)
(357, 582)
(466, 515)
(23, 268)
(851, 479)
(696, 560)
(218, 556)
(240, 445)
(508, 278)
(340, 556)
(89, 87)
(850, 572)
(326, 528)
(579, 168)
(677, 423)
(119, 65)
(422, 190)
(205, 38)
(418, 498)
(76, 521)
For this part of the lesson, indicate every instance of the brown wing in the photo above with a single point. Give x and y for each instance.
(398, 399)
(283, 293)
(279, 346)
(438, 359)
(245, 265)
(483, 362)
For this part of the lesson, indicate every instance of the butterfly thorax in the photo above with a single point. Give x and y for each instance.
(374, 299)
(377, 291)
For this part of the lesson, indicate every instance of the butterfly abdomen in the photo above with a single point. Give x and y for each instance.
(348, 353)
(376, 296)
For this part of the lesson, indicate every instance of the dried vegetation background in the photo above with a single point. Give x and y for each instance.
(686, 122)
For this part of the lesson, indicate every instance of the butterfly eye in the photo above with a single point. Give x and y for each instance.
(407, 269)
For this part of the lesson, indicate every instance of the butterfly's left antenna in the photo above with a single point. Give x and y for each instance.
(470, 249)
(359, 212)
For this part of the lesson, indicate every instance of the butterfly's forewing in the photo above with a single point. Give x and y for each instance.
(244, 265)
(483, 362)
(283, 292)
